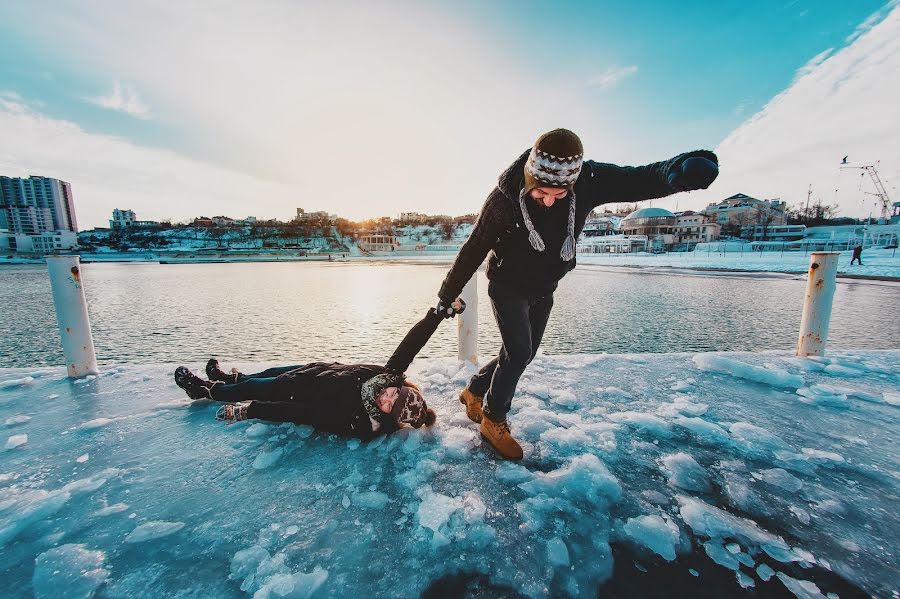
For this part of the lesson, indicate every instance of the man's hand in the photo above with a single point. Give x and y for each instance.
(694, 173)
(457, 307)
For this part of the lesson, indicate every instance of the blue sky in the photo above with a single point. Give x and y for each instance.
(365, 111)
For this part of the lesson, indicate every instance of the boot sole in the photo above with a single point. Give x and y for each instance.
(497, 451)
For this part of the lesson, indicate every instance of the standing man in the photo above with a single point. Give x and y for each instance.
(857, 255)
(529, 223)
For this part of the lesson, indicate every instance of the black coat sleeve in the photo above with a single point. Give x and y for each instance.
(609, 183)
(483, 238)
(413, 343)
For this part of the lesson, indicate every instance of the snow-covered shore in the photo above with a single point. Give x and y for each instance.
(706, 471)
(877, 263)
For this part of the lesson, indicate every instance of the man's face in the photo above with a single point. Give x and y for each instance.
(385, 400)
(548, 195)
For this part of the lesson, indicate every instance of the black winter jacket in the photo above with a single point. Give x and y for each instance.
(329, 396)
(500, 228)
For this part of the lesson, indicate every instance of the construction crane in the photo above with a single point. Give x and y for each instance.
(880, 191)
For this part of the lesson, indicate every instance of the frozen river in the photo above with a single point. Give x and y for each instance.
(296, 312)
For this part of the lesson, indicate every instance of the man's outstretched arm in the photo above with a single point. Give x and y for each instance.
(685, 172)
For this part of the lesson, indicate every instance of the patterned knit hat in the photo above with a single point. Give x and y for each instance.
(409, 408)
(554, 161)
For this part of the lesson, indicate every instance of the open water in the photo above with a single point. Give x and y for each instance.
(352, 312)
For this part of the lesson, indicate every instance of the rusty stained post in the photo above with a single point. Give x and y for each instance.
(72, 315)
(820, 286)
(467, 322)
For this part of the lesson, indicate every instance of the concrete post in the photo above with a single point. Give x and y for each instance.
(72, 315)
(468, 322)
(820, 287)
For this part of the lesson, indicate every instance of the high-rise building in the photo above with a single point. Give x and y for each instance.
(36, 205)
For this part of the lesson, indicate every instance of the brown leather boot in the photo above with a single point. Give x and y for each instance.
(473, 404)
(500, 438)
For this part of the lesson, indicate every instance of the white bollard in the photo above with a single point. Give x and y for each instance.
(817, 305)
(468, 322)
(72, 315)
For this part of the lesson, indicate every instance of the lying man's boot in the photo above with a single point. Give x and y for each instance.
(500, 438)
(193, 385)
(214, 373)
(473, 404)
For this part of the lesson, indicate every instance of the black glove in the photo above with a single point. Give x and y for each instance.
(694, 173)
(449, 311)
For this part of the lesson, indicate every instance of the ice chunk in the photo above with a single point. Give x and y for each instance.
(558, 553)
(298, 585)
(267, 458)
(816, 454)
(704, 431)
(721, 556)
(14, 420)
(246, 561)
(774, 377)
(684, 472)
(891, 398)
(780, 478)
(110, 509)
(373, 500)
(584, 476)
(822, 395)
(744, 580)
(82, 458)
(16, 441)
(764, 572)
(257, 430)
(613, 392)
(563, 397)
(754, 438)
(27, 507)
(655, 533)
(150, 531)
(803, 589)
(68, 571)
(96, 423)
(643, 421)
(435, 508)
(13, 383)
(714, 523)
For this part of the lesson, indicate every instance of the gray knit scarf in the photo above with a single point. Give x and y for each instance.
(568, 247)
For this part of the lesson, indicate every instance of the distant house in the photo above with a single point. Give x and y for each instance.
(222, 221)
(695, 227)
(741, 210)
(203, 222)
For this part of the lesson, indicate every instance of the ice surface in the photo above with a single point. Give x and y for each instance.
(14, 420)
(803, 589)
(768, 481)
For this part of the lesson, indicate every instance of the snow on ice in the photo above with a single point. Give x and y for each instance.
(777, 471)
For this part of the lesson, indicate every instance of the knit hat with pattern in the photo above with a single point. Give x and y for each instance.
(554, 161)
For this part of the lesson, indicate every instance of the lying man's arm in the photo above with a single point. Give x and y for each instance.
(419, 335)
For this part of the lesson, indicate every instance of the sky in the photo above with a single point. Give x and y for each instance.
(363, 109)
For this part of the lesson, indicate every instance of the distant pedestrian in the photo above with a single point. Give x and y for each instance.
(529, 223)
(857, 255)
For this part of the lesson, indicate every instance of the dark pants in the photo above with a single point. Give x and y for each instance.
(270, 401)
(259, 387)
(857, 259)
(521, 321)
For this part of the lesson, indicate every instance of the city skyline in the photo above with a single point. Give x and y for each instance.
(367, 112)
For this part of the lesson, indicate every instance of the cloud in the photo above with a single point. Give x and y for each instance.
(123, 99)
(840, 103)
(108, 172)
(612, 76)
